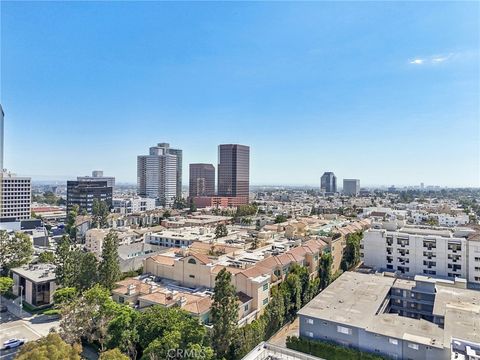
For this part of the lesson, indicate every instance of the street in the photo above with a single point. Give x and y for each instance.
(28, 327)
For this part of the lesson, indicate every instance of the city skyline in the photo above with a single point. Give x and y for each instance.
(349, 88)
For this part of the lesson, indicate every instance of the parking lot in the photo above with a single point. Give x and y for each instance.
(13, 327)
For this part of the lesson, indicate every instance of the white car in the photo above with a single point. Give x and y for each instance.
(13, 343)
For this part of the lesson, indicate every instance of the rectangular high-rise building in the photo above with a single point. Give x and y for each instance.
(98, 175)
(202, 180)
(15, 197)
(82, 193)
(328, 183)
(233, 170)
(351, 187)
(157, 175)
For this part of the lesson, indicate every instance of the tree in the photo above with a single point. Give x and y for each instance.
(325, 270)
(123, 332)
(351, 255)
(88, 271)
(109, 269)
(46, 257)
(221, 231)
(70, 228)
(49, 347)
(15, 250)
(166, 214)
(64, 295)
(113, 354)
(6, 284)
(100, 211)
(275, 313)
(280, 219)
(192, 206)
(224, 313)
(88, 316)
(66, 261)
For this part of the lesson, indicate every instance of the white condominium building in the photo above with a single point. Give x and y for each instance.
(410, 250)
(15, 197)
(133, 205)
(157, 175)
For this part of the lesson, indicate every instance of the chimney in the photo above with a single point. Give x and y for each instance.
(131, 289)
(182, 301)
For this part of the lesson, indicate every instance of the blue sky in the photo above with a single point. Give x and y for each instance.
(387, 92)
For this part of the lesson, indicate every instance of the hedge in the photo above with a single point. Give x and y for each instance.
(328, 350)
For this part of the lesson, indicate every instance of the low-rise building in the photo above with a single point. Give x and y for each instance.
(35, 283)
(133, 205)
(400, 319)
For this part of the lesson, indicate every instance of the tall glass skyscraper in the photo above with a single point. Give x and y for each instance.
(233, 170)
(328, 183)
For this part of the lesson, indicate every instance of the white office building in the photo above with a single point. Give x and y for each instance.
(157, 175)
(133, 205)
(15, 197)
(439, 252)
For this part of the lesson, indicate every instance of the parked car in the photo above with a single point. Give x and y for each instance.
(13, 343)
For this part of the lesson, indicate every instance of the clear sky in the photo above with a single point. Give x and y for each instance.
(387, 92)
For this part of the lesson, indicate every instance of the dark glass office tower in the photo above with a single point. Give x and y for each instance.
(233, 170)
(202, 180)
(83, 193)
(328, 183)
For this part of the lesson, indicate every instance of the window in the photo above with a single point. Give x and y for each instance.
(344, 330)
(309, 321)
(265, 287)
(191, 276)
(121, 299)
(309, 334)
(265, 301)
(393, 341)
(192, 261)
(413, 346)
(245, 308)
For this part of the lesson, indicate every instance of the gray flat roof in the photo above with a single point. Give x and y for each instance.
(37, 273)
(353, 298)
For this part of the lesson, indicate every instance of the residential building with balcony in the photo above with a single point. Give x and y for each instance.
(410, 251)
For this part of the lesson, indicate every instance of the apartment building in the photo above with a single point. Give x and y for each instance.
(15, 197)
(424, 318)
(159, 175)
(253, 273)
(431, 251)
(133, 205)
(94, 238)
(178, 239)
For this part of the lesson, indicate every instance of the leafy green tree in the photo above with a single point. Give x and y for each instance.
(46, 257)
(161, 348)
(274, 313)
(66, 263)
(351, 255)
(6, 284)
(280, 219)
(64, 295)
(109, 269)
(224, 313)
(100, 212)
(325, 270)
(15, 250)
(70, 228)
(166, 214)
(87, 317)
(88, 271)
(113, 354)
(122, 331)
(221, 231)
(293, 294)
(49, 347)
(192, 206)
